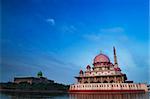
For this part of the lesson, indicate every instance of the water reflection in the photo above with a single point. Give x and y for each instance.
(33, 96)
(75, 96)
(110, 96)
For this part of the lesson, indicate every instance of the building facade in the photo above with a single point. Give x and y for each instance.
(104, 71)
(31, 80)
(104, 75)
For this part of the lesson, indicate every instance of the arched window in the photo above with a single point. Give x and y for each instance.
(133, 86)
(105, 81)
(111, 81)
(98, 82)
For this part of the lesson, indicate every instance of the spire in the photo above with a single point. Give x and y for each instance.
(115, 56)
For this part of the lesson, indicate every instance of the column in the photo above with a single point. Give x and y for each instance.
(101, 80)
(108, 79)
(115, 79)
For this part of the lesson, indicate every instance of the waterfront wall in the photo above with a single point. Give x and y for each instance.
(109, 86)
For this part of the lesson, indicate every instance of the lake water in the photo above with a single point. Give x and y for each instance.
(75, 96)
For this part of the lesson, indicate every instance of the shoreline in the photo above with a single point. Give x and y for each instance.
(106, 91)
(63, 92)
(33, 91)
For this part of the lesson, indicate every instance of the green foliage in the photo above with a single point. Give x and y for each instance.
(35, 86)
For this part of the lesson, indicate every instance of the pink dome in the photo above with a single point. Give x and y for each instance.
(101, 58)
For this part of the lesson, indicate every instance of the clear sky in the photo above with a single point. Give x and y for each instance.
(60, 37)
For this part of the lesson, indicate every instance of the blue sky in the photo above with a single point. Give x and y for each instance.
(60, 37)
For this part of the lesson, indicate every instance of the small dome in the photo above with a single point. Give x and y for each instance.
(39, 74)
(101, 58)
(81, 72)
(88, 67)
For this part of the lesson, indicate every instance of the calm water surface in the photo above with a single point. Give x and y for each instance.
(75, 96)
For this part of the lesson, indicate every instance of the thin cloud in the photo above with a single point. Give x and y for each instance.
(112, 30)
(92, 37)
(35, 61)
(51, 21)
(109, 34)
(68, 29)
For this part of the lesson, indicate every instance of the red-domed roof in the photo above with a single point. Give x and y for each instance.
(101, 58)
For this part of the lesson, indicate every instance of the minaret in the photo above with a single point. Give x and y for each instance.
(115, 57)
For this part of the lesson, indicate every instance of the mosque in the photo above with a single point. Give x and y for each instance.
(105, 76)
